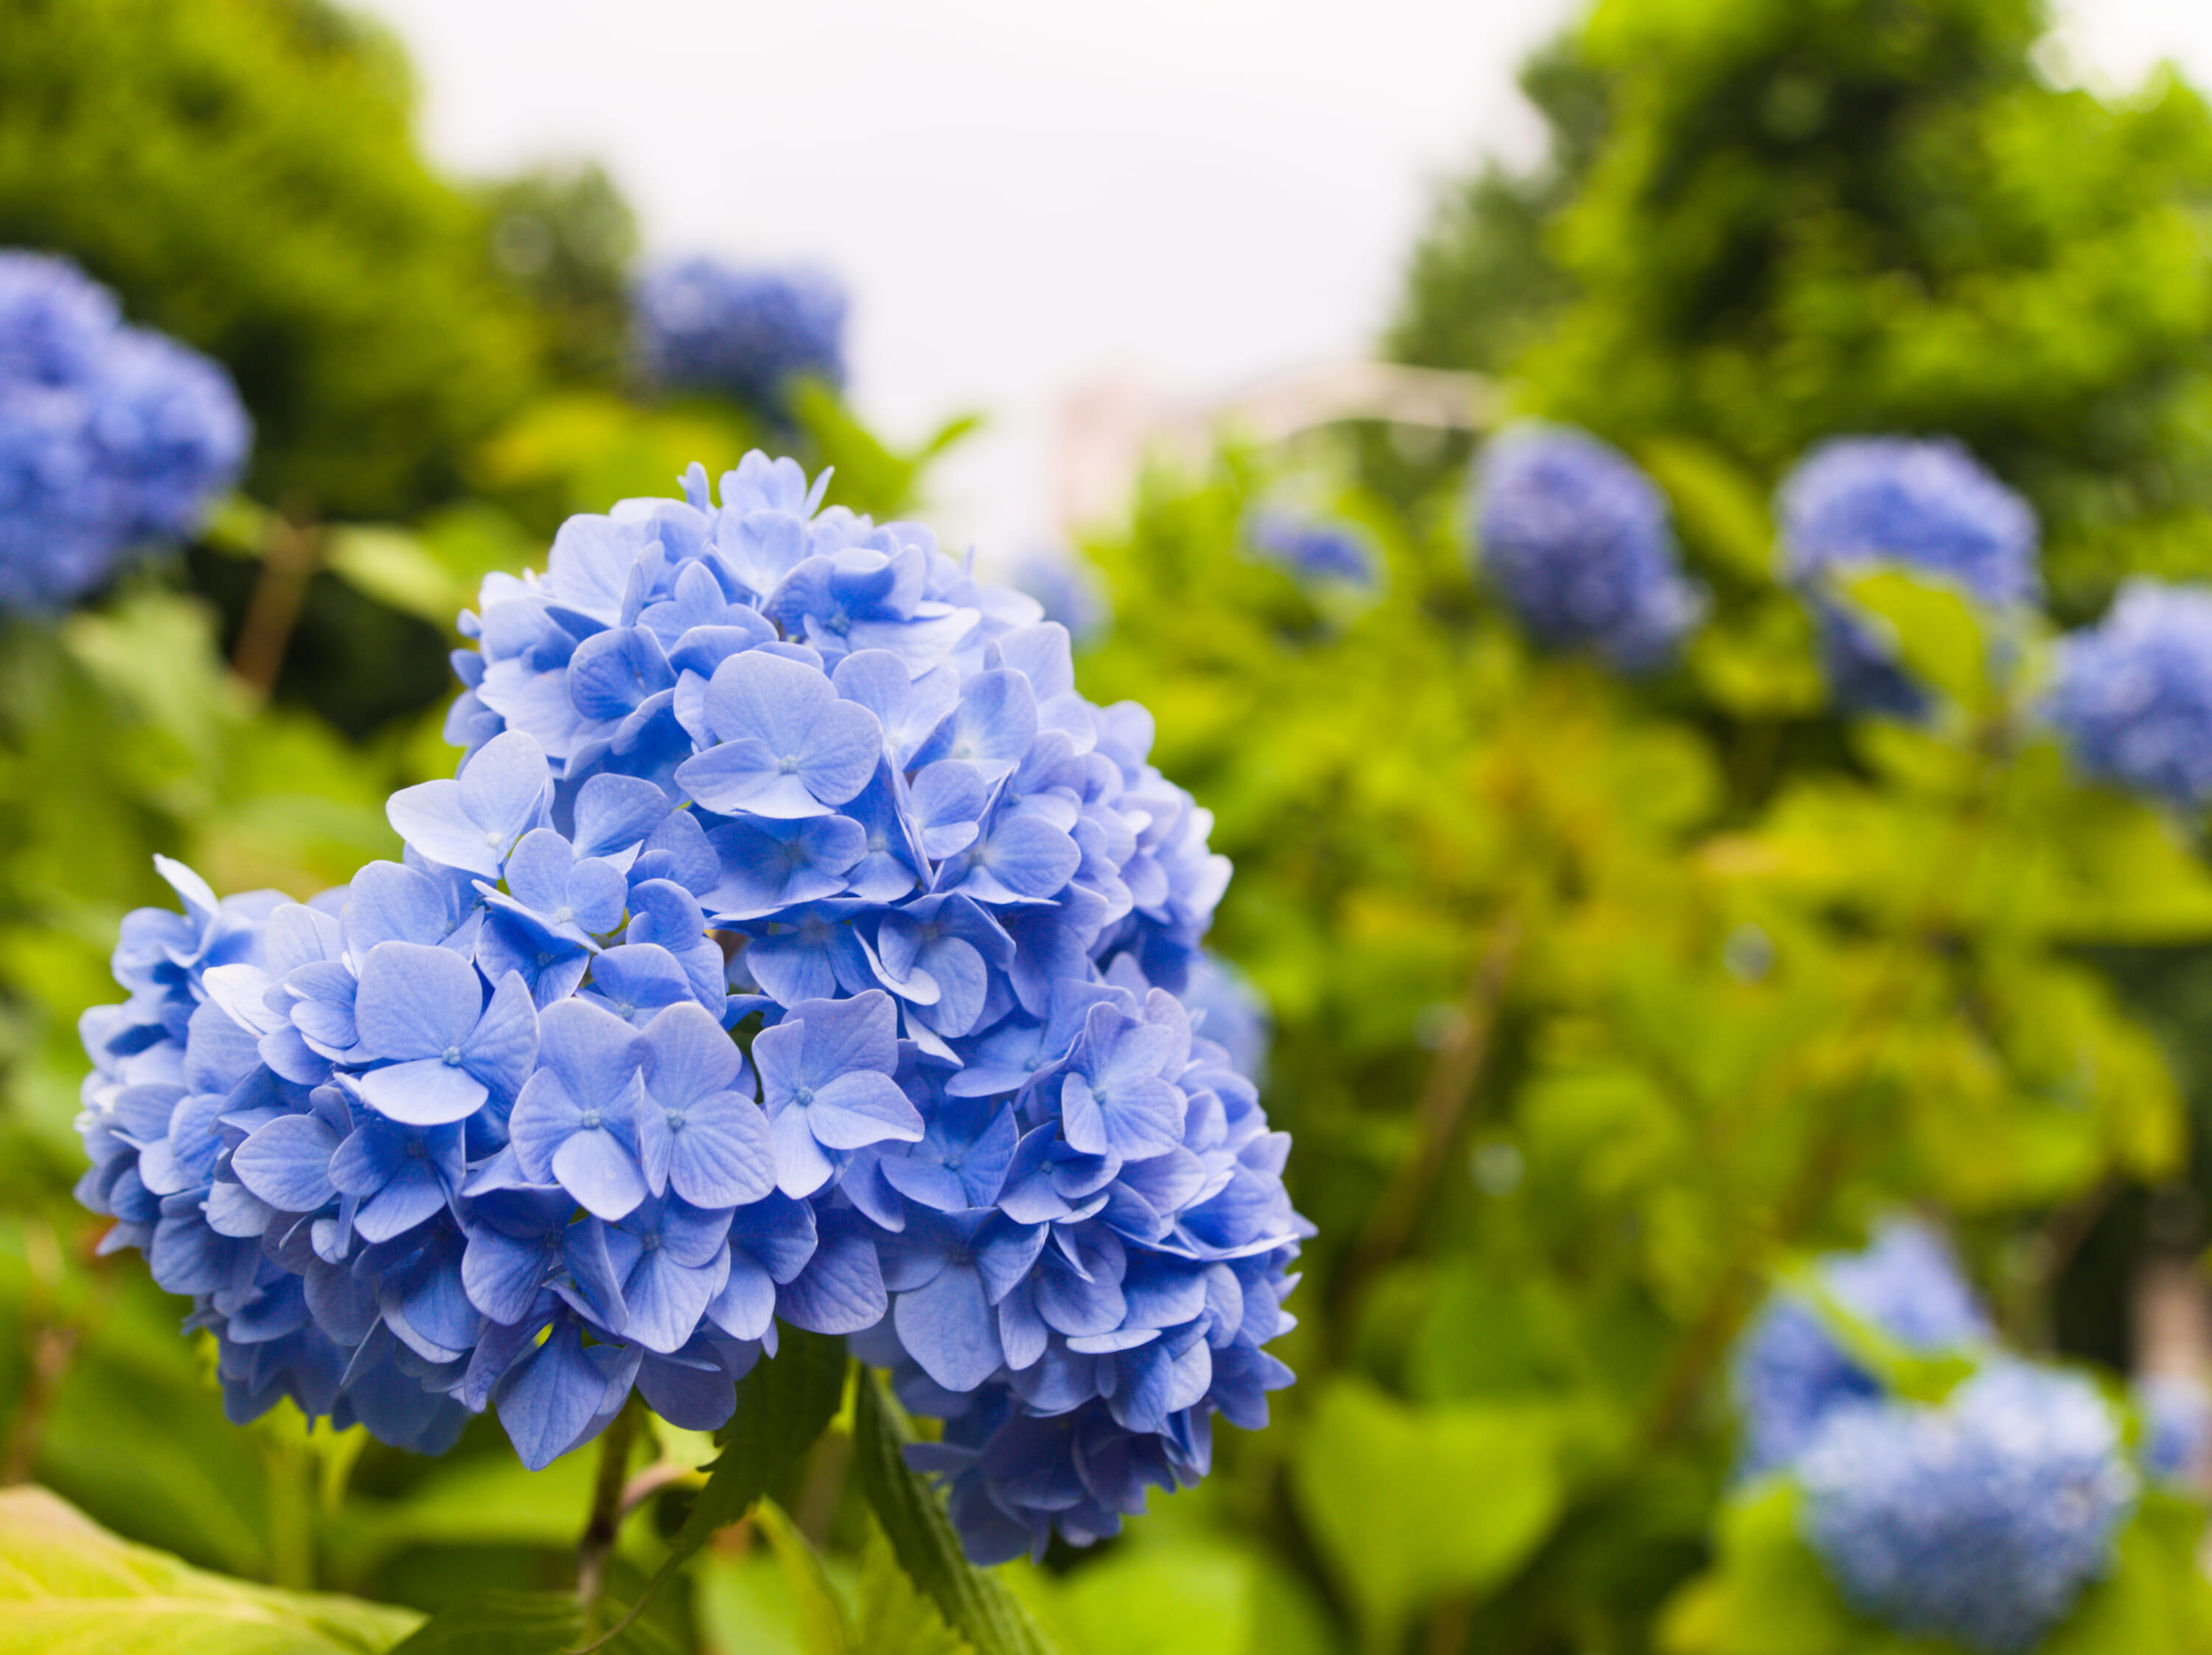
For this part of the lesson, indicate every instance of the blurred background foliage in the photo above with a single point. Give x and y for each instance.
(1596, 1003)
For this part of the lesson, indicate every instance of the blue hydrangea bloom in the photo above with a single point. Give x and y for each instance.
(1578, 540)
(1791, 1371)
(1069, 590)
(795, 946)
(1309, 548)
(1979, 1521)
(702, 325)
(110, 437)
(2177, 1427)
(1856, 502)
(2133, 694)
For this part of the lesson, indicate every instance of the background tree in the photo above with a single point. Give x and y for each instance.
(1763, 222)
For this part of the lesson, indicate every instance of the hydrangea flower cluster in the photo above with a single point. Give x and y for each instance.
(1856, 502)
(1791, 1369)
(110, 436)
(1310, 548)
(795, 944)
(2133, 695)
(1979, 1520)
(1578, 541)
(745, 333)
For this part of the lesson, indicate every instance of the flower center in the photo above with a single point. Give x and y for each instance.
(803, 1097)
(788, 764)
(591, 1120)
(675, 1117)
(563, 914)
(452, 1057)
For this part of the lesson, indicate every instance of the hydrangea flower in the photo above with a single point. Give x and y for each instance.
(703, 325)
(1313, 548)
(2177, 1427)
(1791, 1371)
(1069, 590)
(1979, 1521)
(1853, 503)
(1578, 540)
(110, 437)
(796, 946)
(2133, 694)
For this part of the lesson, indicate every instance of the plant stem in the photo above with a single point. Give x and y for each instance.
(266, 633)
(605, 1523)
(1440, 1113)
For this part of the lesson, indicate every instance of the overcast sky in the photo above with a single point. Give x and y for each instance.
(1027, 195)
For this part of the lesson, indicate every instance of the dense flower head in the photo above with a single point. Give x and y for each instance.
(795, 945)
(1978, 1520)
(2132, 695)
(1792, 1369)
(110, 437)
(1578, 541)
(702, 325)
(1313, 548)
(1853, 503)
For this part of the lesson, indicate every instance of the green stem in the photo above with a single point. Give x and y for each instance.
(605, 1523)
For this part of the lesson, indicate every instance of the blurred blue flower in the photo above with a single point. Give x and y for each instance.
(1578, 540)
(1979, 1521)
(1854, 504)
(112, 438)
(1237, 1016)
(1310, 548)
(2176, 1421)
(2132, 695)
(702, 325)
(1069, 590)
(479, 1131)
(1792, 1369)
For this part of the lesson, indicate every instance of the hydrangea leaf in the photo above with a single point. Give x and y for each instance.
(894, 1616)
(921, 1532)
(1409, 1503)
(783, 1405)
(499, 1624)
(820, 1613)
(67, 1584)
(1938, 639)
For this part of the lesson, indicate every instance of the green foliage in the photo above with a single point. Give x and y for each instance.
(1408, 1505)
(242, 172)
(1600, 1005)
(66, 1583)
(975, 1604)
(499, 1623)
(1765, 221)
(782, 1406)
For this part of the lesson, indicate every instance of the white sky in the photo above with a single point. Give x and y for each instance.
(1027, 195)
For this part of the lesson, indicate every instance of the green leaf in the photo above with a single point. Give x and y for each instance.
(396, 568)
(975, 1603)
(821, 1615)
(499, 1624)
(68, 1587)
(1936, 634)
(896, 1618)
(1407, 1503)
(1720, 509)
(783, 1405)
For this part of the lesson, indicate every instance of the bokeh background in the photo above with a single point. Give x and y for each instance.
(1596, 1004)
